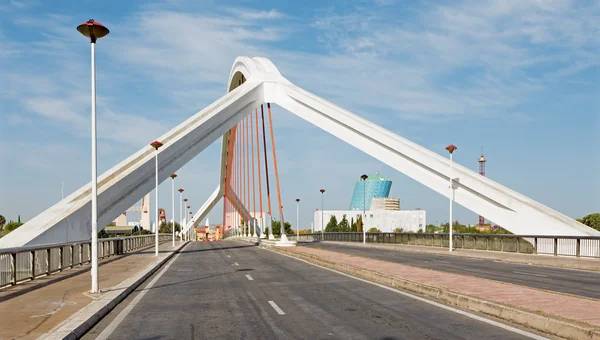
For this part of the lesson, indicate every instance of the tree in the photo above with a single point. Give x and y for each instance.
(592, 221)
(277, 227)
(352, 225)
(430, 228)
(343, 226)
(373, 230)
(332, 225)
(2, 222)
(12, 226)
(398, 230)
(166, 228)
(359, 224)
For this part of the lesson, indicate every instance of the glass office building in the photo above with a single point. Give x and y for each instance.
(373, 186)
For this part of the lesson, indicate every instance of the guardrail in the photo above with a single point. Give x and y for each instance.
(557, 245)
(26, 263)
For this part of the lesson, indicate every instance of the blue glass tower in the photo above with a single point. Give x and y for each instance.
(373, 186)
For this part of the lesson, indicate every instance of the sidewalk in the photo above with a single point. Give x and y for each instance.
(36, 312)
(581, 263)
(524, 305)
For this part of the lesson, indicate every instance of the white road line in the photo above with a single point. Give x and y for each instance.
(106, 333)
(467, 314)
(276, 308)
(228, 256)
(235, 263)
(530, 274)
(440, 261)
(249, 277)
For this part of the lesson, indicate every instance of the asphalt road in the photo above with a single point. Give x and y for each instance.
(229, 290)
(569, 281)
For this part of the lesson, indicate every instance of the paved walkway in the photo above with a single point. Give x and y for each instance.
(35, 312)
(561, 305)
(591, 264)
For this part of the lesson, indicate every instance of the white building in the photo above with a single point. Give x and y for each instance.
(384, 220)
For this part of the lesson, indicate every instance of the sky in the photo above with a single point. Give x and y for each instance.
(520, 79)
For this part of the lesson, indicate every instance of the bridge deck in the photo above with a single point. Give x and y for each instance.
(31, 309)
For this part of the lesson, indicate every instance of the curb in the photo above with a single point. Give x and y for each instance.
(66, 330)
(532, 261)
(546, 324)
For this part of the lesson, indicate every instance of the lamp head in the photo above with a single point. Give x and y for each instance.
(156, 144)
(451, 148)
(93, 30)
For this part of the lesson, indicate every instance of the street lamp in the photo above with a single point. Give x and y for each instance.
(156, 145)
(94, 30)
(364, 179)
(190, 230)
(297, 219)
(322, 224)
(180, 215)
(451, 148)
(173, 206)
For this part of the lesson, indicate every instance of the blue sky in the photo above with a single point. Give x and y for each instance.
(518, 78)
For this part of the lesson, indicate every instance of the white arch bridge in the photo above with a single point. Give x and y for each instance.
(253, 82)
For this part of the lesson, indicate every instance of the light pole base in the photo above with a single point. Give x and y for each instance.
(271, 237)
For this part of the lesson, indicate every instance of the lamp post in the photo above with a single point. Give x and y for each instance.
(94, 30)
(297, 219)
(156, 145)
(180, 215)
(190, 230)
(184, 215)
(173, 206)
(364, 179)
(322, 224)
(451, 148)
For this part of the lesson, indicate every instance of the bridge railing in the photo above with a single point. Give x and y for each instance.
(27, 263)
(558, 245)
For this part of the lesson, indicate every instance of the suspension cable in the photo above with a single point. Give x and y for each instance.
(253, 178)
(262, 111)
(247, 177)
(282, 230)
(258, 163)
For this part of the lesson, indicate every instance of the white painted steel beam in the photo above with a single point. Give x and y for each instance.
(120, 187)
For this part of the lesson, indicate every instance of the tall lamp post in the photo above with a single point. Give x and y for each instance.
(322, 224)
(173, 206)
(190, 230)
(297, 219)
(451, 148)
(364, 179)
(156, 145)
(94, 30)
(180, 214)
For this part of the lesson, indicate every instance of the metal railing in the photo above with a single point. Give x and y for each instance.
(26, 263)
(578, 246)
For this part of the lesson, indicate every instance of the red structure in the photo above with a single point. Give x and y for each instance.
(482, 161)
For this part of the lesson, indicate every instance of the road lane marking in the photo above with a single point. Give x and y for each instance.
(276, 308)
(228, 256)
(249, 277)
(107, 332)
(235, 263)
(440, 261)
(437, 304)
(530, 274)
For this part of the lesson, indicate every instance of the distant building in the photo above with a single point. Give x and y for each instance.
(383, 203)
(382, 212)
(384, 220)
(364, 191)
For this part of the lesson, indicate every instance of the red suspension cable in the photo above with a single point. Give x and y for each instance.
(282, 230)
(262, 111)
(258, 163)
